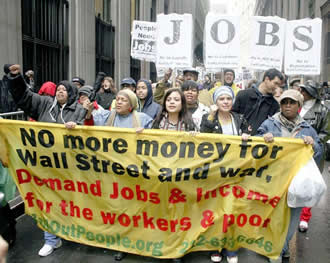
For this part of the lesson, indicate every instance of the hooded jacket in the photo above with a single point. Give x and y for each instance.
(150, 107)
(44, 108)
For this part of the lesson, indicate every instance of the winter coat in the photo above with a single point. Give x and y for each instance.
(188, 126)
(45, 108)
(126, 121)
(304, 129)
(199, 113)
(150, 107)
(105, 98)
(317, 117)
(255, 107)
(7, 103)
(215, 126)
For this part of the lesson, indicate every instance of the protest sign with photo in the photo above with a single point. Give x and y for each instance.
(144, 40)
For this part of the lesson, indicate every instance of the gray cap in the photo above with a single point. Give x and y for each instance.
(311, 88)
(86, 90)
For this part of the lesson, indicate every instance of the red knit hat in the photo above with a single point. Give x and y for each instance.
(48, 88)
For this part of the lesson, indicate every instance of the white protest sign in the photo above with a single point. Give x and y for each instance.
(303, 47)
(239, 79)
(174, 41)
(221, 41)
(144, 37)
(266, 42)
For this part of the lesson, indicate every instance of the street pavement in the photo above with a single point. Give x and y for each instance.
(310, 247)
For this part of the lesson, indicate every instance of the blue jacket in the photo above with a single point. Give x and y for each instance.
(150, 107)
(274, 127)
(101, 119)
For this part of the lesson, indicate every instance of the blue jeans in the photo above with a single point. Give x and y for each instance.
(229, 253)
(51, 239)
(294, 222)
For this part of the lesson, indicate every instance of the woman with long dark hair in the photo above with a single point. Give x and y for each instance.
(174, 114)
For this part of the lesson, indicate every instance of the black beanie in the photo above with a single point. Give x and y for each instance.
(229, 70)
(6, 68)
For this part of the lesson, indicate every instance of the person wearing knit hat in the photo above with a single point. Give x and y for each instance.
(47, 89)
(92, 108)
(222, 120)
(289, 124)
(228, 77)
(125, 114)
(221, 91)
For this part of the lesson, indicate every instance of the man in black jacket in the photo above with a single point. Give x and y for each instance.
(257, 103)
(7, 103)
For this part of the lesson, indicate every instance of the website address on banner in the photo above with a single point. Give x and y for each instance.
(77, 232)
(218, 243)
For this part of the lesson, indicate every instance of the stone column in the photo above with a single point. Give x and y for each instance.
(122, 22)
(11, 33)
(82, 40)
(145, 9)
(325, 67)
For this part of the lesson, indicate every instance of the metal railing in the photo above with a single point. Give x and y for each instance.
(16, 204)
(15, 115)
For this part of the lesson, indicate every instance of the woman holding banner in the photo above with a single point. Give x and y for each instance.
(288, 123)
(174, 115)
(125, 114)
(222, 120)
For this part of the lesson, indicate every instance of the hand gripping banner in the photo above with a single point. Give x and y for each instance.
(159, 194)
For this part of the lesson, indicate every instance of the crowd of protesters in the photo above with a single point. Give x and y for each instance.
(268, 108)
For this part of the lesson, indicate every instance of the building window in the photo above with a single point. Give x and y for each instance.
(166, 7)
(311, 8)
(298, 8)
(153, 11)
(107, 11)
(137, 9)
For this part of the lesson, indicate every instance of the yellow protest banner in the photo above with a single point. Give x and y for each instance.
(161, 194)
